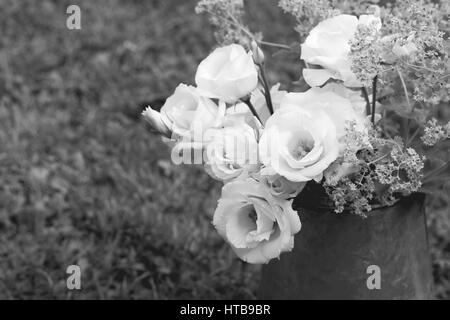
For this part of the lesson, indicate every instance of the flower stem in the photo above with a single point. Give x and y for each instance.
(405, 90)
(251, 107)
(435, 171)
(275, 45)
(413, 136)
(266, 88)
(374, 97)
(379, 159)
(366, 97)
(405, 122)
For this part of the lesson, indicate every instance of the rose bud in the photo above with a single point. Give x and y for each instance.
(158, 122)
(258, 54)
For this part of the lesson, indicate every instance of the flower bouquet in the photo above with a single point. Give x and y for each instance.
(342, 154)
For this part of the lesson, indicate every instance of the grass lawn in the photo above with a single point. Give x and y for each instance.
(82, 181)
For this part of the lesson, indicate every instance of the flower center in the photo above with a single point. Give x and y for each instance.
(253, 216)
(304, 147)
(263, 227)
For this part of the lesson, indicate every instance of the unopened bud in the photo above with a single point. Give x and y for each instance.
(158, 122)
(258, 54)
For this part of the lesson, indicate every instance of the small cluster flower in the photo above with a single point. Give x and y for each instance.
(308, 13)
(402, 170)
(386, 169)
(226, 17)
(353, 194)
(434, 133)
(411, 43)
(366, 53)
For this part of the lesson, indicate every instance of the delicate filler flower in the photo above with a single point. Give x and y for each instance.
(226, 16)
(257, 225)
(386, 170)
(339, 170)
(327, 46)
(228, 74)
(299, 143)
(308, 12)
(403, 171)
(189, 114)
(435, 133)
(419, 34)
(367, 52)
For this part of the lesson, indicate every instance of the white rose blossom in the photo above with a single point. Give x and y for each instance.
(257, 225)
(341, 104)
(306, 134)
(338, 106)
(190, 115)
(327, 46)
(279, 186)
(233, 151)
(228, 73)
(299, 143)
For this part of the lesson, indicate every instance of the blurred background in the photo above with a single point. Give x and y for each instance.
(82, 181)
